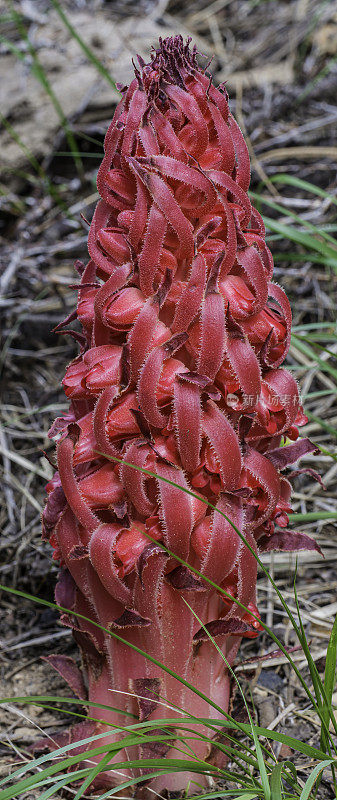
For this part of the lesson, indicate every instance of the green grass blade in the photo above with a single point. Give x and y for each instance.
(98, 768)
(11, 47)
(322, 74)
(324, 425)
(325, 707)
(127, 784)
(53, 191)
(276, 778)
(297, 257)
(312, 516)
(314, 326)
(310, 339)
(305, 793)
(308, 241)
(287, 213)
(329, 681)
(327, 452)
(306, 649)
(298, 183)
(304, 348)
(85, 47)
(69, 779)
(42, 77)
(38, 762)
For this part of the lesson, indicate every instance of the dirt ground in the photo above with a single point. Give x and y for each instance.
(279, 61)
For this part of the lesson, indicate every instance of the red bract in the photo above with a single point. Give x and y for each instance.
(183, 337)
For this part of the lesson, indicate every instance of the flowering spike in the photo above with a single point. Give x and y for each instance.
(178, 388)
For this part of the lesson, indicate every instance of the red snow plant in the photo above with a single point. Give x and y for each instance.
(183, 337)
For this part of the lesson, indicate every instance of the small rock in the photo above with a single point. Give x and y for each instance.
(271, 680)
(285, 753)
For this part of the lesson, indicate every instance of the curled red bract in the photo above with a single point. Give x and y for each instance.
(180, 375)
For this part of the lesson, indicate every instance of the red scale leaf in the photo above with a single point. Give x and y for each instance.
(67, 668)
(225, 141)
(250, 260)
(136, 110)
(176, 509)
(225, 444)
(231, 187)
(134, 480)
(101, 551)
(140, 215)
(173, 168)
(190, 108)
(243, 361)
(190, 301)
(241, 153)
(152, 248)
(289, 541)
(224, 542)
(164, 199)
(65, 455)
(187, 405)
